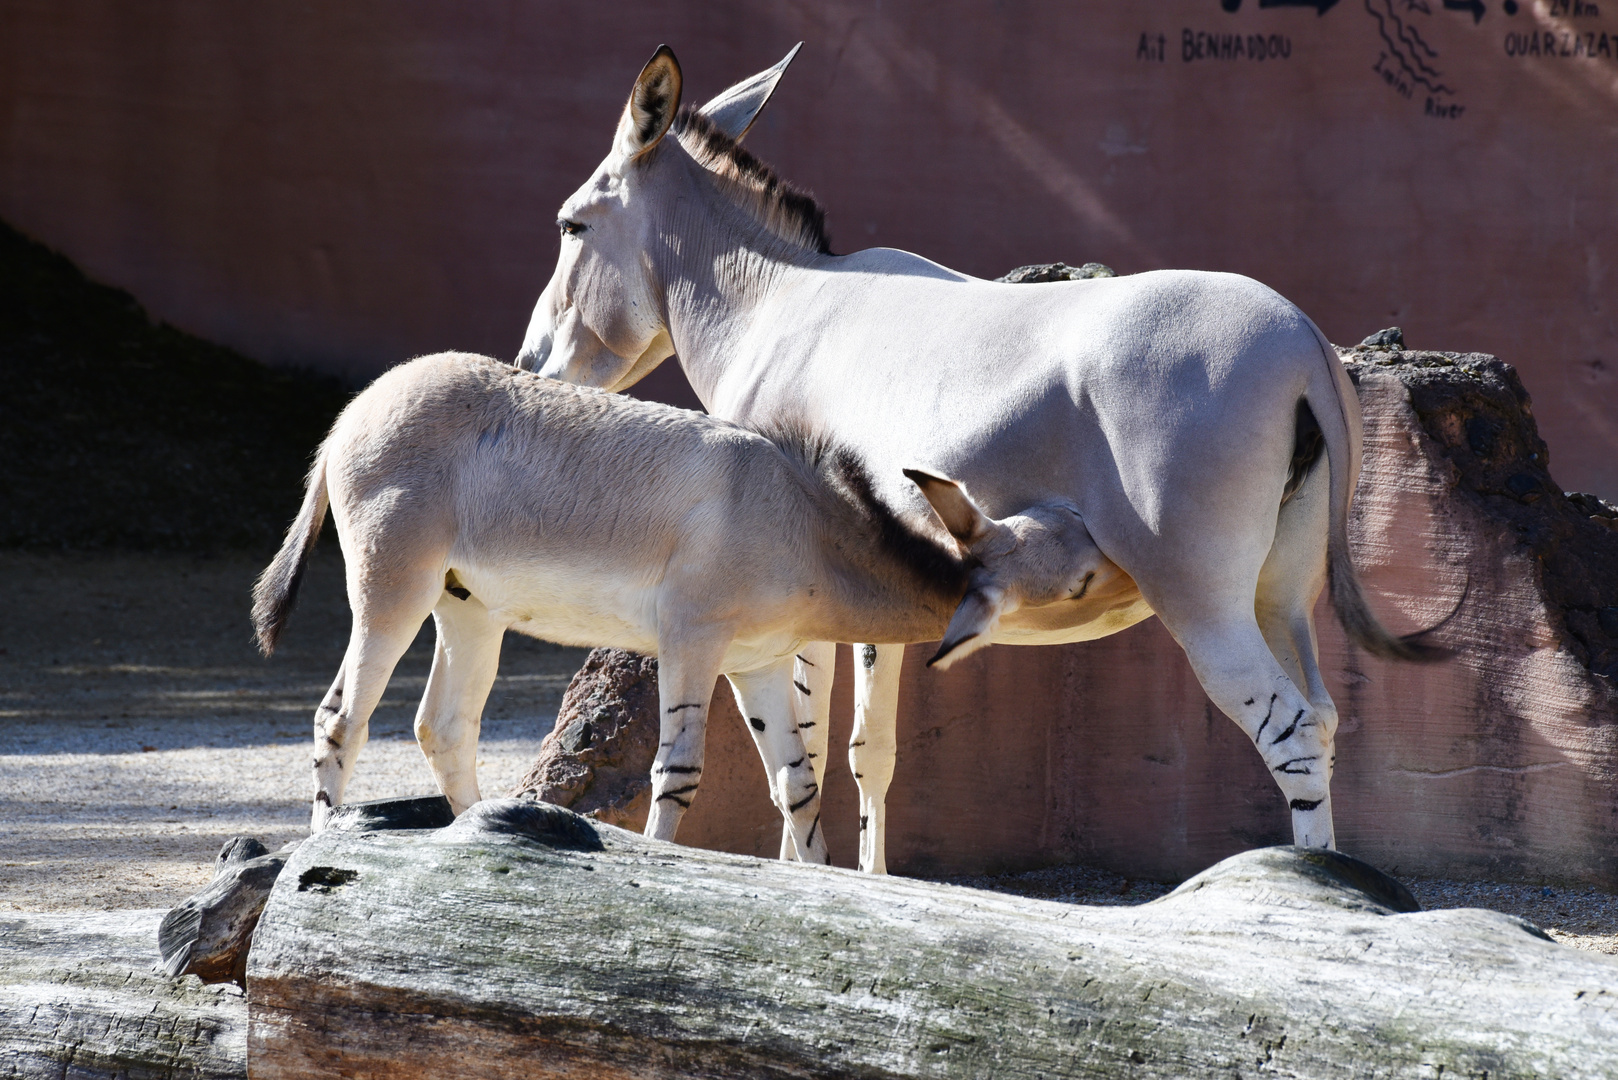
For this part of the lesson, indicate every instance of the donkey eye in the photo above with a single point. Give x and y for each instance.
(571, 228)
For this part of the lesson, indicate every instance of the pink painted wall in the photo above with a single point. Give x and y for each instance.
(344, 185)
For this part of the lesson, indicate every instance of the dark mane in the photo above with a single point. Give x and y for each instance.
(785, 210)
(932, 557)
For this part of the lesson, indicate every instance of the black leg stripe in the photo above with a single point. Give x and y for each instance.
(669, 770)
(690, 705)
(1306, 804)
(1287, 734)
(803, 802)
(678, 791)
(671, 797)
(802, 689)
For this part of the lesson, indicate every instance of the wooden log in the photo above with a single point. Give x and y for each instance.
(82, 997)
(207, 934)
(526, 941)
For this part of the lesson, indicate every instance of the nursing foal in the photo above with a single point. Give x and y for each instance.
(495, 499)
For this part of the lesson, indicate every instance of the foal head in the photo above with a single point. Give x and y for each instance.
(1043, 555)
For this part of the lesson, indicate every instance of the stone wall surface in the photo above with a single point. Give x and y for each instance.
(1501, 762)
(347, 185)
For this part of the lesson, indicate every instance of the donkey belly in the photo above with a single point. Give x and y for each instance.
(585, 605)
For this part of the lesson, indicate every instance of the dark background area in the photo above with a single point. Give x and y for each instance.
(120, 432)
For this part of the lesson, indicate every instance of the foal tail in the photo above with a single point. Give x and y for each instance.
(277, 587)
(1327, 401)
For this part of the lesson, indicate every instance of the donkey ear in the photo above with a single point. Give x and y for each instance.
(953, 506)
(652, 105)
(733, 111)
(971, 625)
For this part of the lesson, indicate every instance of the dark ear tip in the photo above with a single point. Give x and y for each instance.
(916, 476)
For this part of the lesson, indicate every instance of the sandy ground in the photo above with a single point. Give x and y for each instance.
(139, 730)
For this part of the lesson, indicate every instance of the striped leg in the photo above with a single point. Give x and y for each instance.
(686, 671)
(873, 746)
(385, 622)
(812, 678)
(775, 710)
(1295, 738)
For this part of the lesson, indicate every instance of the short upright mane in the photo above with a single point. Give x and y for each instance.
(789, 213)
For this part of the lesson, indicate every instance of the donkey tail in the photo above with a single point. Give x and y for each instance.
(1336, 411)
(277, 587)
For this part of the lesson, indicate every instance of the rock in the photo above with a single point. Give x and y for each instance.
(1486, 444)
(522, 952)
(1057, 271)
(598, 758)
(1391, 338)
(80, 998)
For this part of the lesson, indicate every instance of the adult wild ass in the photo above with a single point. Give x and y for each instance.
(1183, 413)
(494, 499)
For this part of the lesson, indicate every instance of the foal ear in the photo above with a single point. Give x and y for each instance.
(733, 111)
(953, 506)
(971, 625)
(651, 107)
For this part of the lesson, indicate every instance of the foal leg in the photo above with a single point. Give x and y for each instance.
(384, 627)
(465, 661)
(873, 745)
(812, 673)
(686, 670)
(775, 713)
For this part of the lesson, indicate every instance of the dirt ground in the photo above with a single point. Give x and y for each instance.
(139, 730)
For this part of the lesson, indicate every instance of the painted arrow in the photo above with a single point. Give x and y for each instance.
(1320, 6)
(1474, 6)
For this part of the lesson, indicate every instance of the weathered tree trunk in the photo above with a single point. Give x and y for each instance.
(207, 934)
(525, 941)
(83, 997)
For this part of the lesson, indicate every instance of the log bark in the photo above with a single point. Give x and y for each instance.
(207, 934)
(527, 941)
(82, 997)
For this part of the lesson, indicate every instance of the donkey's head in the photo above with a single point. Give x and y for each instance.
(602, 320)
(1043, 555)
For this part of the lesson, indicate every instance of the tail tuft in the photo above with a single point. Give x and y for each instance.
(1369, 634)
(277, 587)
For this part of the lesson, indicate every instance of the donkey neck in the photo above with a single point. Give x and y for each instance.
(719, 267)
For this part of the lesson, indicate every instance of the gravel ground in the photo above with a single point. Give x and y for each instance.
(139, 728)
